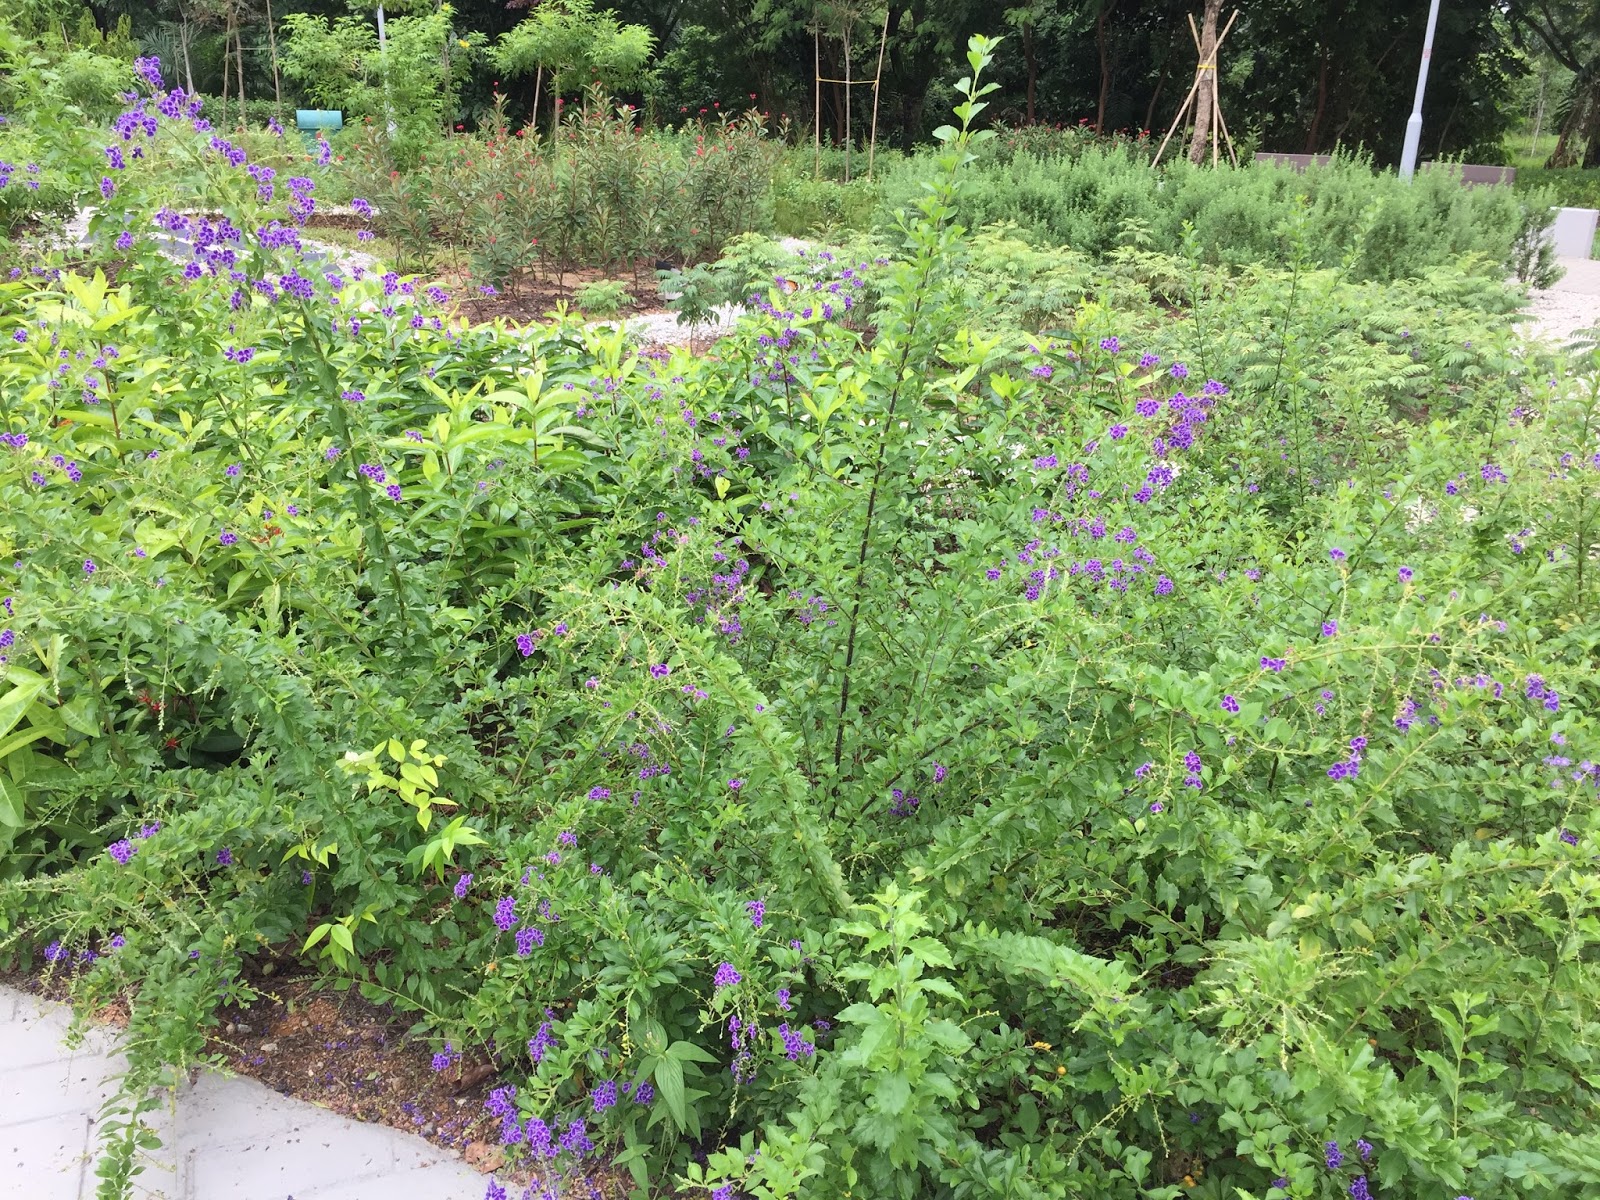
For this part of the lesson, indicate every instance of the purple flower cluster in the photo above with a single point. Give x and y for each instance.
(726, 976)
(794, 1045)
(528, 937)
(505, 913)
(542, 1042)
(1538, 690)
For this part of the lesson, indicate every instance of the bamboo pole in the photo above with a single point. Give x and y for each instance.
(816, 47)
(849, 134)
(877, 81)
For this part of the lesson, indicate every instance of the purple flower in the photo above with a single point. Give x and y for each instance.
(726, 976)
(525, 644)
(149, 70)
(122, 850)
(1569, 837)
(735, 784)
(1274, 665)
(1330, 628)
(1229, 704)
(1336, 554)
(1358, 1188)
(644, 1094)
(528, 937)
(757, 910)
(505, 913)
(443, 1059)
(541, 1043)
(660, 670)
(54, 952)
(783, 998)
(1333, 1156)
(603, 1096)
(1111, 345)
(1405, 574)
(1179, 371)
(599, 793)
(88, 566)
(463, 885)
(494, 1192)
(225, 857)
(1364, 1149)
(939, 773)
(107, 188)
(118, 942)
(226, 538)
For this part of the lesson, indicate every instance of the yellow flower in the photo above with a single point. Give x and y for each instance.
(464, 45)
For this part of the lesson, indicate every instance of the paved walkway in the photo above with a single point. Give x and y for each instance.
(1572, 304)
(225, 1139)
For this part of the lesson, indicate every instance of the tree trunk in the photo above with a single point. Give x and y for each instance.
(272, 48)
(1205, 97)
(184, 37)
(1155, 96)
(1030, 57)
(533, 117)
(1566, 152)
(1315, 131)
(1105, 63)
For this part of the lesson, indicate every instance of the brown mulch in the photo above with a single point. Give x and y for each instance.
(532, 298)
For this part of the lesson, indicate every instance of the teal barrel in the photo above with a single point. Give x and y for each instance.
(311, 121)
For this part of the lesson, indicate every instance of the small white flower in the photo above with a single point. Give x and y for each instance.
(1468, 514)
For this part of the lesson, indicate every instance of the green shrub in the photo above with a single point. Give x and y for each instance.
(602, 298)
(919, 758)
(1088, 200)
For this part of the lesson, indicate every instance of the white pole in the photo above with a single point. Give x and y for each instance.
(1408, 155)
(383, 55)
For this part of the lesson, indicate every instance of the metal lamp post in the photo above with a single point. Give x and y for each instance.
(1408, 155)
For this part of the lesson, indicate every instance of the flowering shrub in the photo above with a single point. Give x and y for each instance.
(918, 759)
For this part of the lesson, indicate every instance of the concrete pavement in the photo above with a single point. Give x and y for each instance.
(222, 1139)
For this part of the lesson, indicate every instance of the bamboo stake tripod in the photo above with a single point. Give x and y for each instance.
(1205, 75)
(872, 140)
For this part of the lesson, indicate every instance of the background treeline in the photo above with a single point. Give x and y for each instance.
(1297, 75)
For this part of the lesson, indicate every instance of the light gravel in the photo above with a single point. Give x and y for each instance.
(1557, 314)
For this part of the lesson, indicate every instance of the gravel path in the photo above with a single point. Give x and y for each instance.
(1573, 304)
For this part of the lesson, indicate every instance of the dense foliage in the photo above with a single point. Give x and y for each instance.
(896, 755)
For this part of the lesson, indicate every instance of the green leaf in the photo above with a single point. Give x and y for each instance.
(15, 702)
(669, 1080)
(11, 803)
